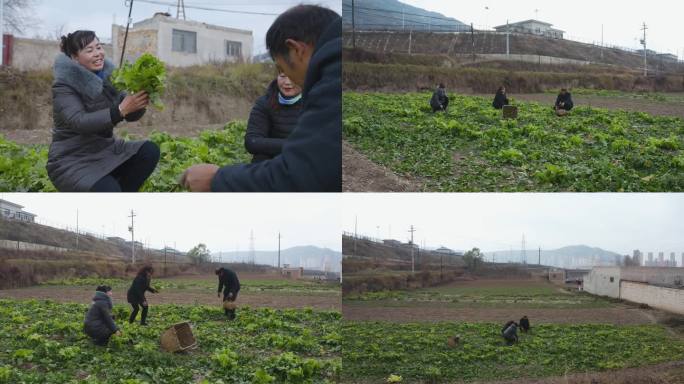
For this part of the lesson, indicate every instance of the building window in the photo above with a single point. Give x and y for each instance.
(233, 48)
(184, 41)
(611, 279)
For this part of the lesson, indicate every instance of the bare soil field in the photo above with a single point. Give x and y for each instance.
(359, 174)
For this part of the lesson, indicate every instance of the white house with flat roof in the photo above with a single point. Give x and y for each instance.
(9, 210)
(183, 43)
(532, 27)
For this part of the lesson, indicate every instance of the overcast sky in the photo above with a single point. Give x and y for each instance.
(222, 221)
(622, 20)
(616, 222)
(98, 15)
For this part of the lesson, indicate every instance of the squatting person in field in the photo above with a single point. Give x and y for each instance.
(563, 102)
(500, 99)
(99, 322)
(306, 44)
(273, 117)
(230, 285)
(510, 332)
(440, 99)
(136, 293)
(85, 155)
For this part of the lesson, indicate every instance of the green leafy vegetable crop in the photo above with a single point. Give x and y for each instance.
(146, 74)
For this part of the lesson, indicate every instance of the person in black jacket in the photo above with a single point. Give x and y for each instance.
(500, 99)
(525, 324)
(99, 322)
(136, 293)
(510, 332)
(230, 285)
(306, 44)
(273, 118)
(563, 102)
(439, 100)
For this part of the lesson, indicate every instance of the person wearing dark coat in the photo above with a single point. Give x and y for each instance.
(84, 155)
(440, 99)
(525, 324)
(230, 285)
(510, 332)
(564, 101)
(99, 322)
(273, 118)
(136, 294)
(306, 44)
(500, 99)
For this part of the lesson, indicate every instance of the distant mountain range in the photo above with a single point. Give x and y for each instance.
(392, 14)
(309, 257)
(574, 256)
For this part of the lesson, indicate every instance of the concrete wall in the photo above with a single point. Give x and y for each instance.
(35, 54)
(22, 246)
(536, 59)
(669, 276)
(668, 299)
(155, 36)
(598, 282)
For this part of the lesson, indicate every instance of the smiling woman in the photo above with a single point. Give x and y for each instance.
(84, 154)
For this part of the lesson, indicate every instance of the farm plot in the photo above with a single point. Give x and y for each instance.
(43, 342)
(23, 167)
(472, 149)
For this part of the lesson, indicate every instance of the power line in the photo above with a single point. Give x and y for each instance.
(209, 8)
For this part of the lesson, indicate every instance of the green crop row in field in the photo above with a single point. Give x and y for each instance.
(43, 342)
(374, 351)
(471, 148)
(22, 168)
(477, 299)
(251, 285)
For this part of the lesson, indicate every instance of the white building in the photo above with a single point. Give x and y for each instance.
(9, 210)
(531, 27)
(182, 43)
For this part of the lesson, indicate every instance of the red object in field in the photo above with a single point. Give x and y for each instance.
(7, 48)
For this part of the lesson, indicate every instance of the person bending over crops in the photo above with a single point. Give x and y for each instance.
(500, 99)
(510, 332)
(99, 322)
(230, 285)
(440, 99)
(84, 154)
(273, 118)
(306, 44)
(563, 102)
(525, 324)
(136, 293)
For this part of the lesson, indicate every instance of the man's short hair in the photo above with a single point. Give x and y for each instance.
(305, 23)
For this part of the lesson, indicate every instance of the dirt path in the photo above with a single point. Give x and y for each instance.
(175, 296)
(359, 174)
(660, 108)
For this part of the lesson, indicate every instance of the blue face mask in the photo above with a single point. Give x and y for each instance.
(288, 101)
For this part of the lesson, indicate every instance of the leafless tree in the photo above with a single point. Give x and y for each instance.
(17, 16)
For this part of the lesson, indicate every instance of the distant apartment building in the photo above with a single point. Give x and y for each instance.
(13, 211)
(182, 43)
(532, 27)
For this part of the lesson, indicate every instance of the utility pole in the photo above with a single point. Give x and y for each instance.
(472, 38)
(251, 247)
(356, 222)
(508, 39)
(128, 25)
(353, 25)
(410, 37)
(601, 41)
(279, 237)
(403, 22)
(131, 229)
(539, 259)
(643, 42)
(165, 259)
(76, 228)
(523, 252)
(413, 261)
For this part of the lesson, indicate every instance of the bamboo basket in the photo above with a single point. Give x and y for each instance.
(178, 338)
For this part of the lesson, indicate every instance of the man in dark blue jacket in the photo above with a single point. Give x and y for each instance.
(306, 44)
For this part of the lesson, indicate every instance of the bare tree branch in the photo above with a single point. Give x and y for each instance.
(17, 15)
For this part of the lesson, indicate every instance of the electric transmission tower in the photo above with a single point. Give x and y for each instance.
(180, 9)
